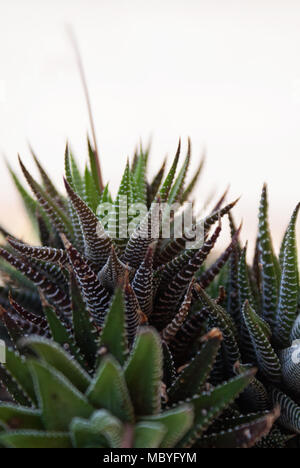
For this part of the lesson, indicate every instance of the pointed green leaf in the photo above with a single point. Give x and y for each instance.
(105, 196)
(54, 355)
(108, 390)
(117, 228)
(193, 182)
(155, 183)
(177, 188)
(269, 364)
(76, 177)
(16, 392)
(209, 405)
(191, 380)
(246, 432)
(53, 211)
(245, 292)
(169, 372)
(91, 193)
(17, 277)
(47, 182)
(289, 286)
(93, 166)
(68, 172)
(61, 335)
(219, 318)
(177, 421)
(113, 335)
(268, 273)
(84, 331)
(59, 400)
(125, 188)
(143, 372)
(166, 187)
(139, 178)
(17, 366)
(255, 397)
(97, 244)
(29, 203)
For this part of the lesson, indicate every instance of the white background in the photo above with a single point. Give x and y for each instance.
(226, 73)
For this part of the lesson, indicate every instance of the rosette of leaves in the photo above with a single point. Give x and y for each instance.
(107, 346)
(122, 401)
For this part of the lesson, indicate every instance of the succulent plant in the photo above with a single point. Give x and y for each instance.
(134, 340)
(263, 302)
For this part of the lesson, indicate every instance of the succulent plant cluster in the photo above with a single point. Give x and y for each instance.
(137, 341)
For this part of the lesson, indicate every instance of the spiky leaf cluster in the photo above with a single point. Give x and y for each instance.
(259, 318)
(114, 342)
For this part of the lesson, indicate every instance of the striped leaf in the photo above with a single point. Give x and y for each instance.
(47, 182)
(269, 364)
(245, 432)
(289, 287)
(92, 196)
(119, 217)
(95, 296)
(209, 405)
(178, 186)
(155, 183)
(139, 178)
(57, 216)
(190, 187)
(29, 203)
(97, 244)
(171, 295)
(269, 279)
(53, 293)
(192, 378)
(210, 274)
(289, 411)
(164, 191)
(18, 368)
(143, 284)
(94, 167)
(220, 319)
(170, 331)
(47, 254)
(290, 359)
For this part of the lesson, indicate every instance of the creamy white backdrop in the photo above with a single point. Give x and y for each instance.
(226, 73)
